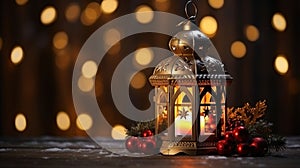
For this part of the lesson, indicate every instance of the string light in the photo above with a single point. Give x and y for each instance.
(21, 2)
(252, 33)
(109, 6)
(16, 55)
(279, 22)
(72, 12)
(217, 4)
(63, 121)
(144, 14)
(20, 122)
(138, 80)
(281, 64)
(144, 56)
(84, 122)
(48, 15)
(60, 40)
(89, 69)
(118, 132)
(238, 49)
(209, 26)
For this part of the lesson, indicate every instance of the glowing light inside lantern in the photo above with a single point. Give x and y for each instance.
(183, 125)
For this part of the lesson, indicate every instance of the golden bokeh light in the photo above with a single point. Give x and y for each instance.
(238, 49)
(21, 2)
(162, 5)
(20, 122)
(118, 132)
(281, 64)
(85, 84)
(89, 69)
(144, 56)
(112, 36)
(144, 14)
(91, 13)
(63, 121)
(109, 6)
(84, 122)
(16, 55)
(72, 12)
(279, 22)
(217, 4)
(138, 80)
(209, 26)
(252, 33)
(48, 15)
(60, 40)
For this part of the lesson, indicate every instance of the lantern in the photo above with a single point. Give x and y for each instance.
(190, 95)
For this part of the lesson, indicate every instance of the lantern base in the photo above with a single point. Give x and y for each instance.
(188, 147)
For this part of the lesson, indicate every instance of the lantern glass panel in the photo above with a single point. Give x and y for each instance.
(162, 112)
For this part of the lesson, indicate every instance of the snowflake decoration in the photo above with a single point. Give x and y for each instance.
(183, 113)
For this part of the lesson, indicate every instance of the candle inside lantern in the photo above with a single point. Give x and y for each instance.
(183, 125)
(202, 125)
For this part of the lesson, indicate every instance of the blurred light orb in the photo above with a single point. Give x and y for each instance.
(60, 40)
(209, 26)
(48, 15)
(138, 80)
(217, 4)
(109, 6)
(85, 84)
(20, 122)
(112, 36)
(72, 12)
(238, 49)
(281, 64)
(63, 121)
(162, 5)
(279, 22)
(118, 132)
(21, 2)
(91, 13)
(144, 14)
(84, 122)
(89, 69)
(252, 33)
(16, 55)
(144, 56)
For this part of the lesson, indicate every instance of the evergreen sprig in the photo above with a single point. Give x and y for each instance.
(139, 127)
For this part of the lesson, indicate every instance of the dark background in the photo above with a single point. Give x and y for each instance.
(39, 89)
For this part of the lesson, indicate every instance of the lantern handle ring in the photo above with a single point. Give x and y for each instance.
(194, 13)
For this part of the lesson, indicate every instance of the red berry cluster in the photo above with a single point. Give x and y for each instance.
(239, 142)
(146, 144)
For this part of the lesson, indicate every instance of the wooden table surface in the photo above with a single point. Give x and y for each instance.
(83, 152)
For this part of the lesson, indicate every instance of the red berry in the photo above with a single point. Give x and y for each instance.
(259, 146)
(147, 133)
(148, 146)
(241, 134)
(224, 148)
(132, 144)
(243, 149)
(229, 136)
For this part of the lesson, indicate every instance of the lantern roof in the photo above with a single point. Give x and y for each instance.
(174, 70)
